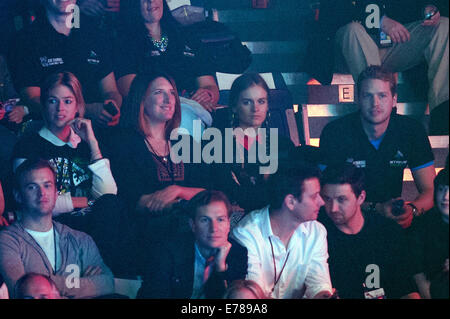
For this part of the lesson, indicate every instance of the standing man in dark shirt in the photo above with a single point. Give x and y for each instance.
(414, 38)
(54, 44)
(383, 143)
(365, 251)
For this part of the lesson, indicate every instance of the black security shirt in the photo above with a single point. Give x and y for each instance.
(135, 53)
(405, 144)
(40, 50)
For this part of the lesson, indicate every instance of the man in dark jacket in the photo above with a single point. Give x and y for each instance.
(198, 266)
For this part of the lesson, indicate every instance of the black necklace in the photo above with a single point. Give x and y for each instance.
(164, 160)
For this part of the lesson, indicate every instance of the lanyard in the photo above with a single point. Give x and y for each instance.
(275, 279)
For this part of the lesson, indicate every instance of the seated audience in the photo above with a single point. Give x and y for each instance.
(36, 244)
(429, 235)
(383, 144)
(36, 286)
(84, 180)
(242, 179)
(52, 45)
(148, 179)
(151, 38)
(414, 37)
(198, 266)
(365, 250)
(287, 247)
(244, 289)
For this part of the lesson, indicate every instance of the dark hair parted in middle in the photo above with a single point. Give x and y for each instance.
(133, 109)
(68, 80)
(345, 173)
(205, 198)
(290, 181)
(241, 84)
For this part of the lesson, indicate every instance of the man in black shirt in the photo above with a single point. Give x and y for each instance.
(54, 44)
(383, 143)
(367, 254)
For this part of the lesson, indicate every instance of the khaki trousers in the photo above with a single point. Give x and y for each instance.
(429, 43)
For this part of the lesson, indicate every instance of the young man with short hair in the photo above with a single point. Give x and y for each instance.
(383, 144)
(37, 244)
(367, 253)
(287, 247)
(199, 265)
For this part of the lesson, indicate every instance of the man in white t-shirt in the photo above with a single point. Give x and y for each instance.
(36, 244)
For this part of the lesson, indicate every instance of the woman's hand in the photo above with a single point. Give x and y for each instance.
(83, 128)
(158, 201)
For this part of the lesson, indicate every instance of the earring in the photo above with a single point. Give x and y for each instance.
(233, 119)
(267, 121)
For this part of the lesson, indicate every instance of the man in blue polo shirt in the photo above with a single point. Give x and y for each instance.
(55, 43)
(383, 143)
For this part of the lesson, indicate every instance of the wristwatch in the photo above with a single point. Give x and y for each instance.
(415, 210)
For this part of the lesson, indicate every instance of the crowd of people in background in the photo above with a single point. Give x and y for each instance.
(91, 189)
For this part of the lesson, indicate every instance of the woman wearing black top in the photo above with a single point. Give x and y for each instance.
(151, 38)
(153, 186)
(244, 182)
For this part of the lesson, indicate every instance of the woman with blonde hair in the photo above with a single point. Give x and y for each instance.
(84, 180)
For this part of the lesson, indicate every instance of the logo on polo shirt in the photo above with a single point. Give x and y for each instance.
(399, 160)
(47, 62)
(93, 58)
(155, 53)
(188, 52)
(359, 164)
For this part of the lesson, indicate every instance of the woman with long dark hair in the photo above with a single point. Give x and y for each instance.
(243, 181)
(150, 38)
(149, 181)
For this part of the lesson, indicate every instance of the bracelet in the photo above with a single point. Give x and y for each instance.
(415, 210)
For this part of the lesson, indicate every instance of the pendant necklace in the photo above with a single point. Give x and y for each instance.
(162, 44)
(164, 159)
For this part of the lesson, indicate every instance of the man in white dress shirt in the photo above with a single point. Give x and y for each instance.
(287, 247)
